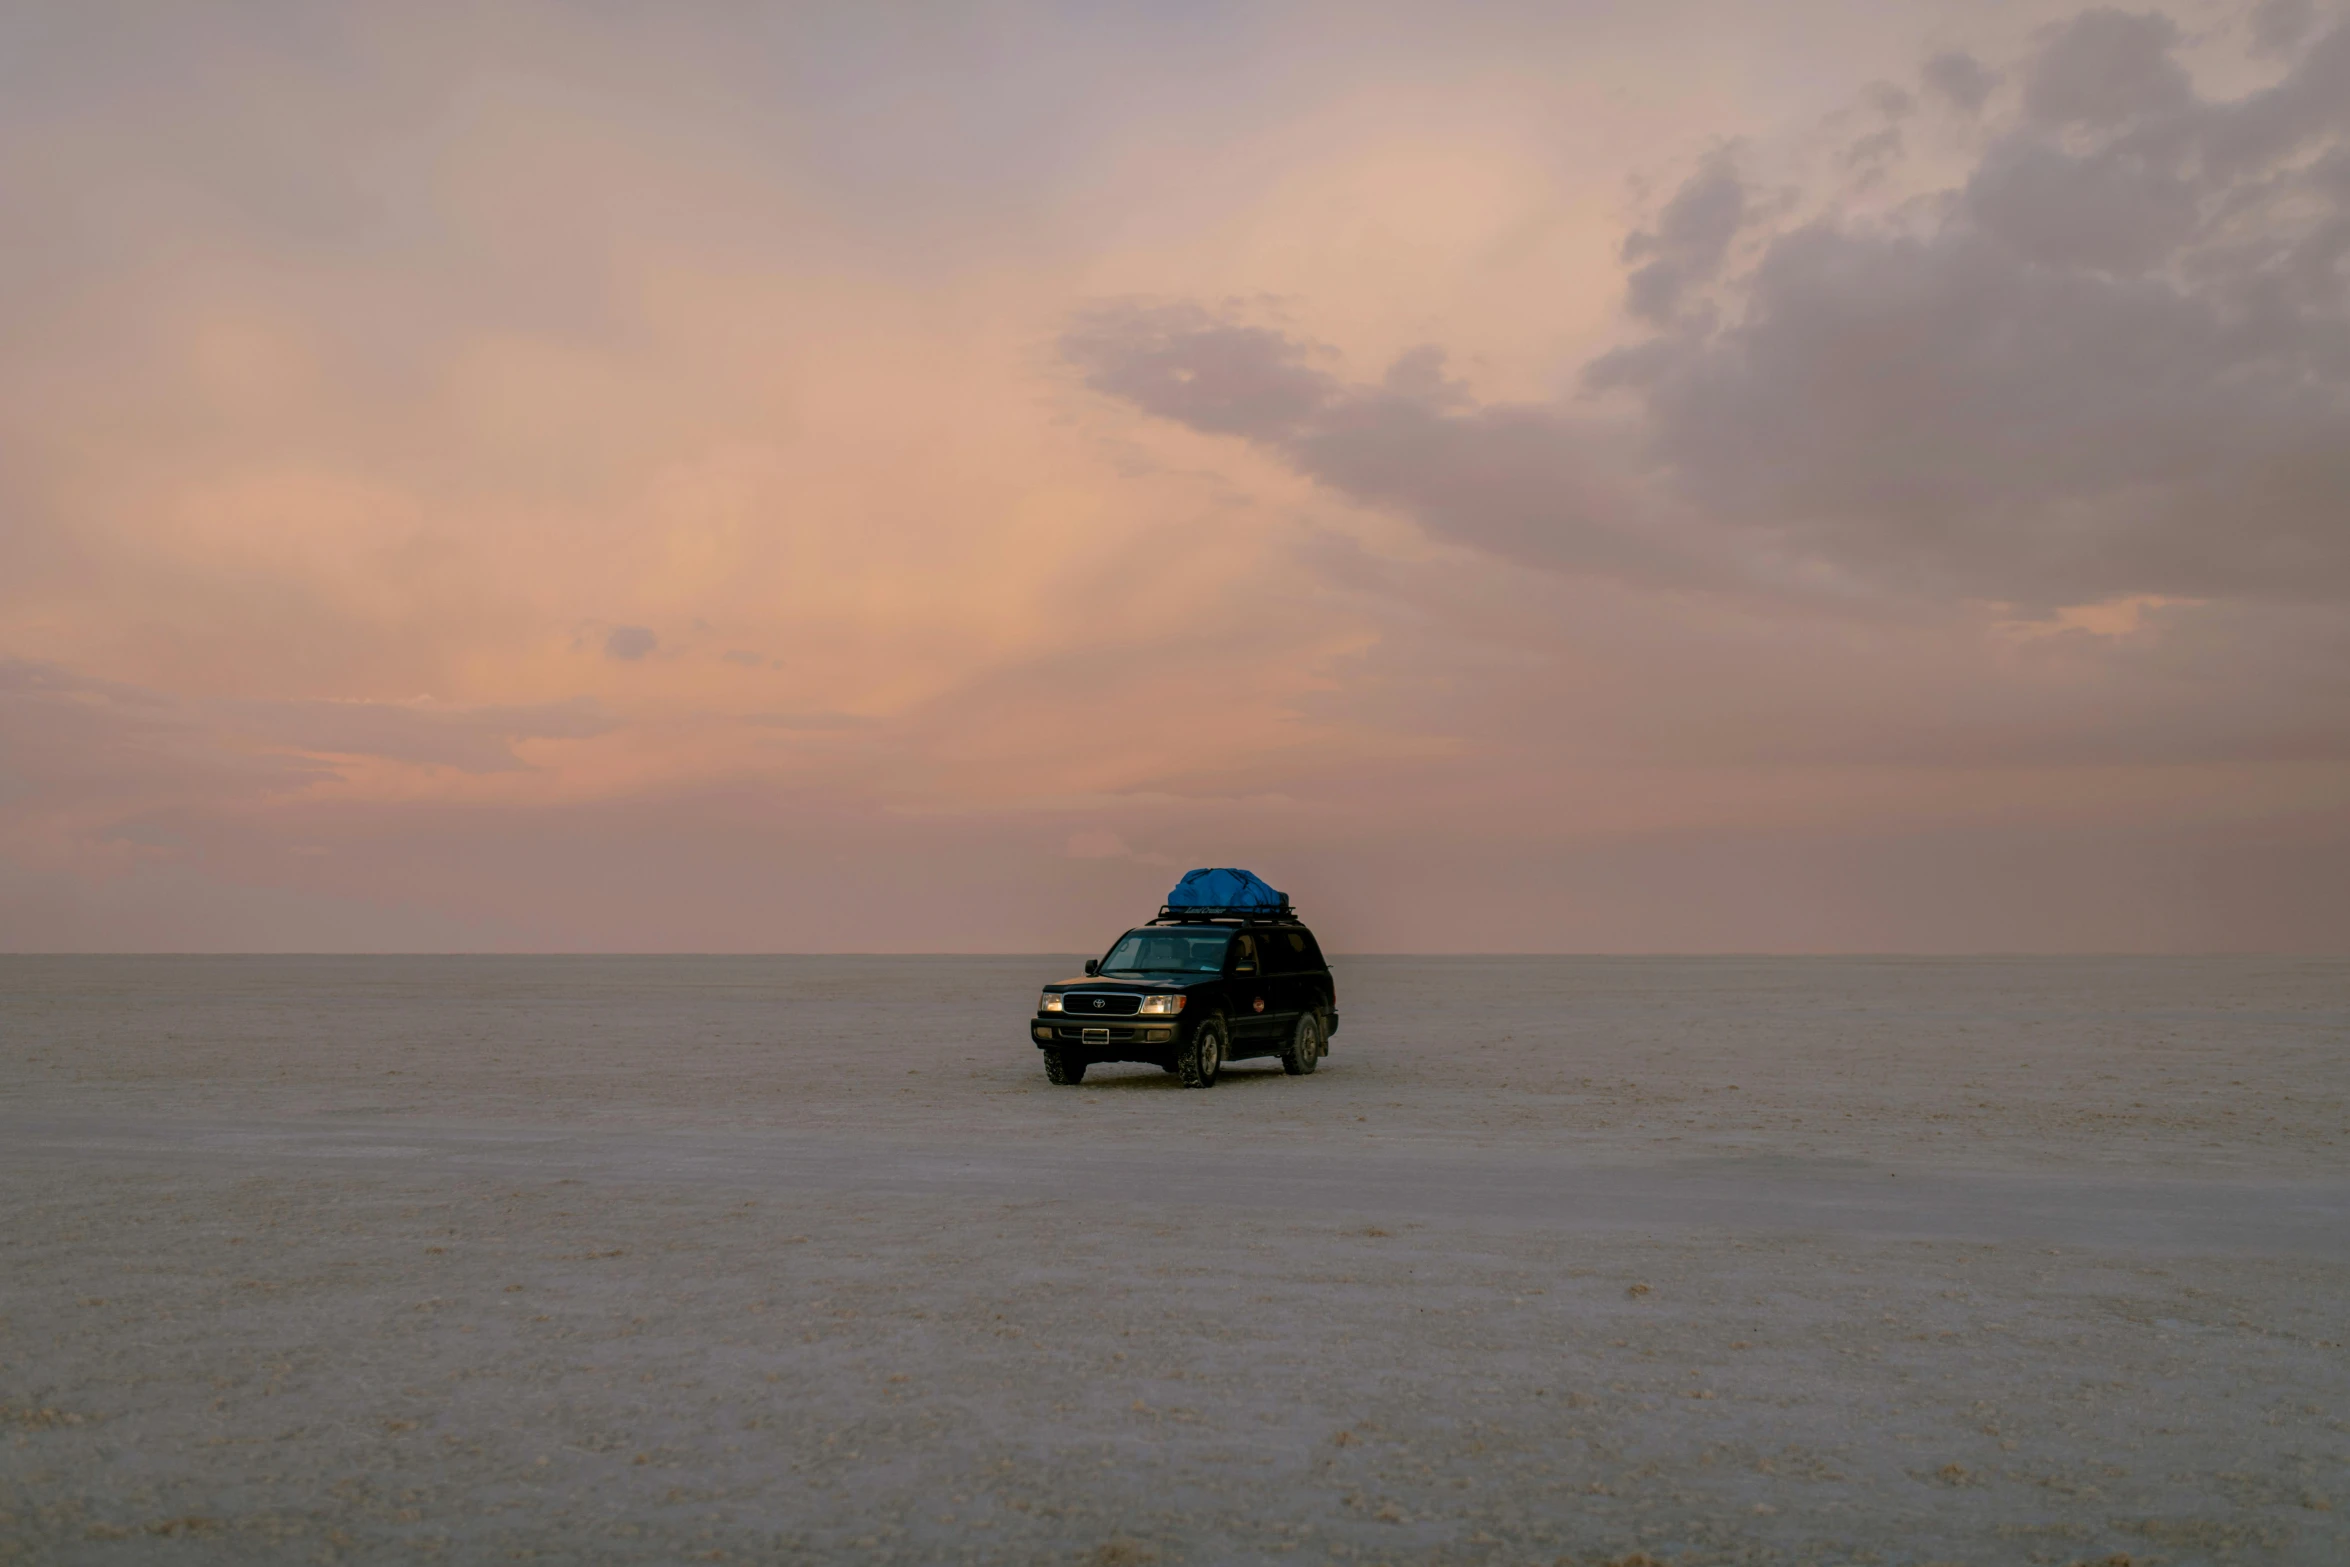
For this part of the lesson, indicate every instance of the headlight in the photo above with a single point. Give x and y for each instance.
(1163, 1003)
(1050, 1003)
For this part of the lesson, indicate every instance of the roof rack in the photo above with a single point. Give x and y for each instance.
(1276, 914)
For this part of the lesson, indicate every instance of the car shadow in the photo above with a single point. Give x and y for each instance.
(1130, 1077)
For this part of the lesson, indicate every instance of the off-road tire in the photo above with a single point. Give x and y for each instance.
(1305, 1047)
(1202, 1060)
(1063, 1069)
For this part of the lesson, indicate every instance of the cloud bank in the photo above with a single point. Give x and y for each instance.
(2112, 360)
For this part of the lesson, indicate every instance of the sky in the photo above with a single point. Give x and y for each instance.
(1810, 476)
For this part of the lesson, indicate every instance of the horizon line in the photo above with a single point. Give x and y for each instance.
(585, 953)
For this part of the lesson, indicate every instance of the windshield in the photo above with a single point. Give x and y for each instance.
(1169, 952)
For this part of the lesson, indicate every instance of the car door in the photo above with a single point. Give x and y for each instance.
(1247, 984)
(1288, 984)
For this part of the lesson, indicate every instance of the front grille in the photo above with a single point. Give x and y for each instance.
(1078, 1003)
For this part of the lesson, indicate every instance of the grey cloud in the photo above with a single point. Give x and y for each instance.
(469, 739)
(1890, 99)
(24, 678)
(1185, 363)
(1418, 373)
(1690, 240)
(2105, 67)
(744, 657)
(630, 643)
(1877, 148)
(66, 740)
(2112, 211)
(2312, 100)
(1518, 480)
(47, 708)
(2277, 25)
(2119, 362)
(96, 772)
(1960, 79)
(2114, 360)
(1522, 481)
(809, 720)
(1954, 415)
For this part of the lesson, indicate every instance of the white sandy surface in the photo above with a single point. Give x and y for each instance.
(802, 1260)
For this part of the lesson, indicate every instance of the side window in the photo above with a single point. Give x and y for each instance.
(1309, 950)
(1274, 953)
(1244, 954)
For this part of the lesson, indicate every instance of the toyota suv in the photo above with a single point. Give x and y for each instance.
(1190, 991)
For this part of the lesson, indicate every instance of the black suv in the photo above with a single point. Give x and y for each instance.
(1190, 991)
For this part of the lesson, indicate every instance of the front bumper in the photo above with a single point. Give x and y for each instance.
(1049, 1029)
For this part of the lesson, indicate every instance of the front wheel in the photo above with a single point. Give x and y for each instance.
(1203, 1058)
(1063, 1070)
(1305, 1047)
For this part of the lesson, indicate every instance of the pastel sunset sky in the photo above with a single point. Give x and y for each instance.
(1823, 475)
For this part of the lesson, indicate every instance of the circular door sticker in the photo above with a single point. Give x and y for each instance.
(1260, 1003)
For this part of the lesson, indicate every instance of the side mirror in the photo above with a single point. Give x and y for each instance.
(1093, 965)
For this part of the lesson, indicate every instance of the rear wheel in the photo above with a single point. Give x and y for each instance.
(1203, 1056)
(1305, 1047)
(1063, 1069)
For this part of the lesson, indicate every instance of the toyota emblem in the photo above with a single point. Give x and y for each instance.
(1097, 1006)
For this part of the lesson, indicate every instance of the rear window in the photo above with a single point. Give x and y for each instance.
(1291, 951)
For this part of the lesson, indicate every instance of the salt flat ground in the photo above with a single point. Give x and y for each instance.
(800, 1259)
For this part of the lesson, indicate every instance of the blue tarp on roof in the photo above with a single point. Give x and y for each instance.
(1223, 887)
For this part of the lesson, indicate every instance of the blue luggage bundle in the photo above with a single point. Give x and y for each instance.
(1224, 890)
